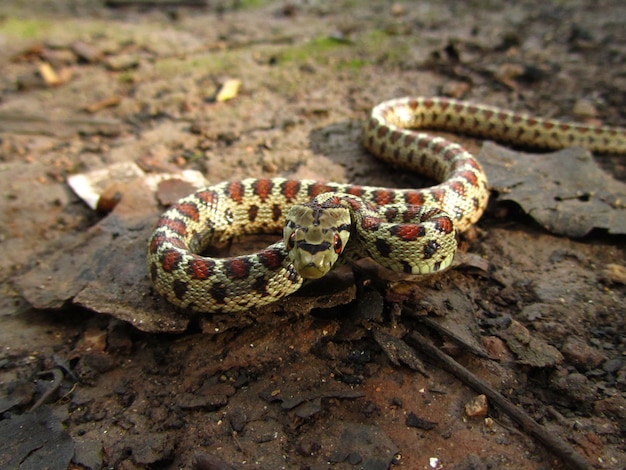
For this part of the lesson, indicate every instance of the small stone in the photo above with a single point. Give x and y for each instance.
(354, 458)
(581, 355)
(477, 407)
(613, 365)
(584, 109)
(413, 421)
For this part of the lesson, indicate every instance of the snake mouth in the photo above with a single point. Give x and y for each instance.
(311, 271)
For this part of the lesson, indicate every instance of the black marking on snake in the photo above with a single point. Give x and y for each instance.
(312, 247)
(253, 211)
(277, 212)
(383, 247)
(153, 271)
(292, 275)
(342, 228)
(180, 288)
(260, 286)
(316, 216)
(406, 267)
(219, 292)
(431, 249)
(229, 216)
(391, 213)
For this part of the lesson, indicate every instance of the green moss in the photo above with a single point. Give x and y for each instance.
(370, 48)
(321, 50)
(25, 29)
(245, 4)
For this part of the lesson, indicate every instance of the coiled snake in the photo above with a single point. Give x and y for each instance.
(407, 230)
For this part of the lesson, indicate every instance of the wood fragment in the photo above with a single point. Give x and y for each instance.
(560, 448)
(229, 90)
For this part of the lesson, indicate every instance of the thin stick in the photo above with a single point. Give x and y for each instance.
(560, 448)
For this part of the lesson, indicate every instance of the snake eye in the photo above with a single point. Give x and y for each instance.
(337, 243)
(291, 241)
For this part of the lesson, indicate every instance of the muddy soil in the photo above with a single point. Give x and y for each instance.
(97, 371)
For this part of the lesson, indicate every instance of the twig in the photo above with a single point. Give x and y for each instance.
(560, 448)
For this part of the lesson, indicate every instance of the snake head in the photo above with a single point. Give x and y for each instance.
(315, 238)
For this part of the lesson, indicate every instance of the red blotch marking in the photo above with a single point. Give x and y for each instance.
(355, 191)
(382, 132)
(237, 268)
(177, 226)
(408, 140)
(503, 116)
(463, 163)
(565, 127)
(395, 136)
(318, 188)
(383, 197)
(190, 210)
(471, 109)
(548, 125)
(355, 205)
(235, 191)
(200, 268)
(271, 259)
(161, 239)
(334, 201)
(444, 224)
(262, 188)
(290, 189)
(413, 104)
(457, 187)
(469, 176)
(438, 195)
(531, 121)
(428, 103)
(156, 242)
(372, 124)
(370, 223)
(451, 153)
(170, 260)
(439, 147)
(407, 232)
(206, 196)
(414, 198)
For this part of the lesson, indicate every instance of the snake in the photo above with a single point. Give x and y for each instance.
(325, 223)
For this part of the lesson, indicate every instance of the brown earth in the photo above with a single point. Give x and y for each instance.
(96, 371)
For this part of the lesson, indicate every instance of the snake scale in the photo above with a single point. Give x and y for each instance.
(407, 230)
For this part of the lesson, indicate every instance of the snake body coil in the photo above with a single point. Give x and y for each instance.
(407, 230)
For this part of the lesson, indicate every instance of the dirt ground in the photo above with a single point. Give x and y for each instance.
(97, 371)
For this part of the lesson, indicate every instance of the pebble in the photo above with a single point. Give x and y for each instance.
(613, 365)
